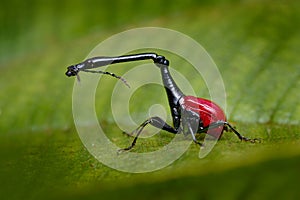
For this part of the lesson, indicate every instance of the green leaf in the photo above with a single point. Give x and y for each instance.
(255, 45)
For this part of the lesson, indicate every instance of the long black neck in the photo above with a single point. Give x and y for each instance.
(172, 90)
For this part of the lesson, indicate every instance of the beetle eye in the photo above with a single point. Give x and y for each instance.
(69, 73)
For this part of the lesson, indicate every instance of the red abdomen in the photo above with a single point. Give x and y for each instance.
(209, 112)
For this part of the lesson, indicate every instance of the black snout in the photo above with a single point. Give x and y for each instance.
(72, 71)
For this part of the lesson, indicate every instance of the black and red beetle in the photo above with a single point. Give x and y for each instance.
(190, 114)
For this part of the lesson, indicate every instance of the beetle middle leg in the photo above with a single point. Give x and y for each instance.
(154, 121)
(190, 124)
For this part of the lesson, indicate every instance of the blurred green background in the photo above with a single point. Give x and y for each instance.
(254, 43)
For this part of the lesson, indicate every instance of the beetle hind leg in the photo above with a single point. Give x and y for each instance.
(228, 127)
(241, 137)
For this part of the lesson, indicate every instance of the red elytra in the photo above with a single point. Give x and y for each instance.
(208, 111)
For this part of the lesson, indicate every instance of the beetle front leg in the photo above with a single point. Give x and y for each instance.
(154, 121)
